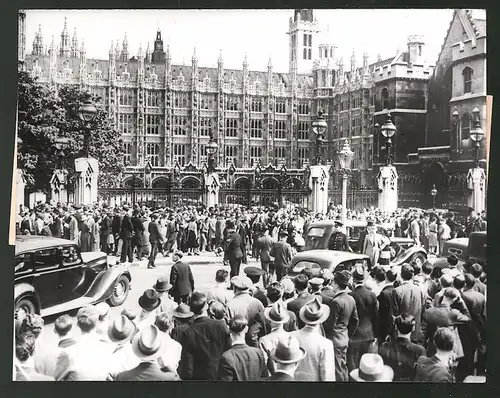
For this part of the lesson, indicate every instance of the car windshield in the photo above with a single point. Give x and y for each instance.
(316, 232)
(315, 238)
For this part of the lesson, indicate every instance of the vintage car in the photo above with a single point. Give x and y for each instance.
(319, 259)
(52, 276)
(404, 249)
(469, 250)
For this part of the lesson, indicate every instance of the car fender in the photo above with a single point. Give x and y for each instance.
(102, 286)
(26, 289)
(408, 254)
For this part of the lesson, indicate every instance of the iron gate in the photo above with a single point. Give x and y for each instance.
(153, 197)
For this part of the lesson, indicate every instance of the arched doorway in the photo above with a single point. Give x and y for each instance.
(160, 183)
(435, 175)
(190, 182)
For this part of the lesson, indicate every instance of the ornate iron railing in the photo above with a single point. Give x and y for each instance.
(357, 199)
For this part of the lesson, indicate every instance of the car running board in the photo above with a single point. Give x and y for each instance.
(68, 306)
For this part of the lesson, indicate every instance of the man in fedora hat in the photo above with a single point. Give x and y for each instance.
(243, 303)
(261, 325)
(147, 346)
(182, 321)
(202, 343)
(319, 363)
(372, 369)
(241, 362)
(181, 279)
(287, 356)
(341, 323)
(338, 240)
(149, 302)
(277, 316)
(120, 332)
(367, 330)
(167, 305)
(282, 253)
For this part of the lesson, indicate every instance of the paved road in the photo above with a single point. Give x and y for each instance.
(204, 268)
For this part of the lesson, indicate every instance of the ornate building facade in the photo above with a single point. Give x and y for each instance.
(167, 112)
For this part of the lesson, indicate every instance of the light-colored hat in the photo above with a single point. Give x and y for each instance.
(121, 330)
(314, 312)
(277, 313)
(241, 282)
(372, 368)
(148, 344)
(288, 350)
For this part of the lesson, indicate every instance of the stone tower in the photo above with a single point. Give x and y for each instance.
(302, 32)
(38, 48)
(158, 53)
(65, 48)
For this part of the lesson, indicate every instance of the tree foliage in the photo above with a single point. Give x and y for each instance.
(46, 113)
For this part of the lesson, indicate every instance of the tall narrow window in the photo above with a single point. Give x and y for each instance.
(280, 129)
(153, 153)
(302, 130)
(256, 128)
(385, 98)
(127, 157)
(232, 128)
(465, 126)
(467, 74)
(179, 154)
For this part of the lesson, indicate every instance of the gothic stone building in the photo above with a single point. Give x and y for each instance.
(166, 113)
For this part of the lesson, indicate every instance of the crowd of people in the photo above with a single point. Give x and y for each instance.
(417, 323)
(423, 324)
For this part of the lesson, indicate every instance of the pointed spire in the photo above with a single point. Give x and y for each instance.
(148, 54)
(125, 41)
(140, 54)
(245, 62)
(353, 61)
(194, 59)
(220, 61)
(112, 49)
(270, 63)
(167, 55)
(52, 44)
(38, 47)
(65, 29)
(82, 47)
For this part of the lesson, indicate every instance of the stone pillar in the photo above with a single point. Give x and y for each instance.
(20, 187)
(211, 190)
(476, 183)
(87, 170)
(58, 185)
(387, 184)
(318, 182)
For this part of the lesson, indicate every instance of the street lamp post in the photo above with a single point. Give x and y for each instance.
(319, 127)
(388, 130)
(345, 159)
(434, 193)
(454, 122)
(212, 147)
(476, 134)
(61, 144)
(87, 113)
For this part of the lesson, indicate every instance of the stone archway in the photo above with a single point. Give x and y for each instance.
(435, 175)
(191, 182)
(160, 182)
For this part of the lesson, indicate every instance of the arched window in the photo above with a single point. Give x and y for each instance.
(467, 74)
(385, 98)
(465, 126)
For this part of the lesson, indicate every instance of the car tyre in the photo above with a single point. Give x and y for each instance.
(27, 305)
(120, 291)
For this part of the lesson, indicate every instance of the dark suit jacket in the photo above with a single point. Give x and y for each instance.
(264, 245)
(232, 247)
(367, 306)
(146, 371)
(106, 227)
(127, 228)
(385, 318)
(409, 298)
(282, 253)
(154, 232)
(202, 346)
(476, 304)
(181, 279)
(138, 226)
(401, 355)
(116, 224)
(343, 320)
(242, 363)
(297, 304)
(432, 370)
(280, 376)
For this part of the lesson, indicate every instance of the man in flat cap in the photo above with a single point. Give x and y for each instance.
(243, 303)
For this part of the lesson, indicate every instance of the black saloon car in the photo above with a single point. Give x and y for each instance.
(53, 276)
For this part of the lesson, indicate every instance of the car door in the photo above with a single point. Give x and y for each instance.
(46, 277)
(71, 273)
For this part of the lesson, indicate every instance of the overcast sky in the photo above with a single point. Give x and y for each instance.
(258, 33)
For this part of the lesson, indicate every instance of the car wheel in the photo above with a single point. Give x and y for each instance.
(120, 291)
(27, 305)
(418, 258)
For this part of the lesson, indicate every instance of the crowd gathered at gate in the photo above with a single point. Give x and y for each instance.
(419, 323)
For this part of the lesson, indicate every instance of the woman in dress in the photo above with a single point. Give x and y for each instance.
(192, 237)
(95, 233)
(433, 237)
(372, 245)
(85, 234)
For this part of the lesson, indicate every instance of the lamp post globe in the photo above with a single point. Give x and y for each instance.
(345, 159)
(211, 148)
(388, 130)
(434, 193)
(476, 133)
(87, 111)
(319, 127)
